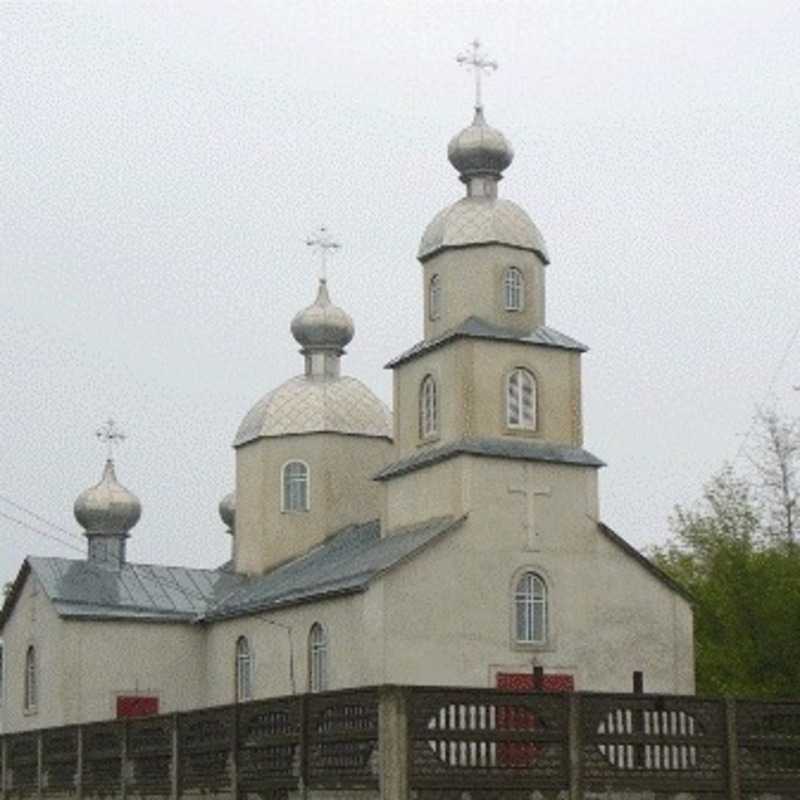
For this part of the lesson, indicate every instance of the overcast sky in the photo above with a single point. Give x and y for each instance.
(162, 163)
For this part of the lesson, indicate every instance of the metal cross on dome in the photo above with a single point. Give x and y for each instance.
(474, 58)
(323, 243)
(110, 435)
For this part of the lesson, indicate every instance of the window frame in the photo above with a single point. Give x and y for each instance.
(318, 658)
(244, 670)
(527, 598)
(428, 408)
(285, 508)
(513, 290)
(30, 700)
(521, 424)
(435, 297)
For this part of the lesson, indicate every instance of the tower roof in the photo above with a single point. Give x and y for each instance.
(322, 325)
(107, 507)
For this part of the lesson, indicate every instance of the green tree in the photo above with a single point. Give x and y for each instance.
(735, 552)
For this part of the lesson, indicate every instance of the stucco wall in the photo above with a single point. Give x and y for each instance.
(341, 492)
(471, 382)
(472, 284)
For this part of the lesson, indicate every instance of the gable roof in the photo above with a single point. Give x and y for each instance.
(654, 570)
(493, 448)
(344, 564)
(477, 328)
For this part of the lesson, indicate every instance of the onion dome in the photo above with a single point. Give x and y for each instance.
(227, 511)
(323, 326)
(108, 507)
(480, 150)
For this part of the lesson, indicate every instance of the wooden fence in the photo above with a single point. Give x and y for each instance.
(425, 743)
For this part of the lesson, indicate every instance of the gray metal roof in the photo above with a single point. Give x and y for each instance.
(494, 448)
(345, 563)
(476, 328)
(138, 591)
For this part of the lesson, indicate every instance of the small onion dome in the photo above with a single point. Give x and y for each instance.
(323, 326)
(108, 507)
(480, 150)
(227, 510)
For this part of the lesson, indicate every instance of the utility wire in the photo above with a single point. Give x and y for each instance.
(40, 532)
(36, 516)
(775, 374)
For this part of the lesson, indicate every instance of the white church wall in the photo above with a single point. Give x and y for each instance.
(279, 642)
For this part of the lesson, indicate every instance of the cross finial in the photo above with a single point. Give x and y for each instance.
(475, 59)
(323, 242)
(110, 435)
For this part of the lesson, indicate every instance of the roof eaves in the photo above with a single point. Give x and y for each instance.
(652, 568)
(425, 255)
(13, 595)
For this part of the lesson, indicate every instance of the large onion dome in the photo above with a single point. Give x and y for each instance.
(323, 326)
(227, 511)
(480, 150)
(108, 507)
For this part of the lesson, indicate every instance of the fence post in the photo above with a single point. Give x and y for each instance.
(3, 765)
(393, 750)
(235, 753)
(575, 748)
(123, 761)
(175, 789)
(79, 766)
(303, 781)
(732, 742)
(39, 764)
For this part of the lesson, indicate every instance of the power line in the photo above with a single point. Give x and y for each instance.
(775, 374)
(40, 532)
(36, 516)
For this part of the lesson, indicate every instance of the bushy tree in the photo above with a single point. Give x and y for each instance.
(735, 552)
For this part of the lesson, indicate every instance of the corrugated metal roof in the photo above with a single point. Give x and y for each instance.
(496, 448)
(345, 563)
(476, 328)
(81, 588)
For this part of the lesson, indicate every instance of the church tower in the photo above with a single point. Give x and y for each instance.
(490, 379)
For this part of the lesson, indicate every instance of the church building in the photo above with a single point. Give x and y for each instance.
(456, 541)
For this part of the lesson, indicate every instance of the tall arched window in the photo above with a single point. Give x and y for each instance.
(530, 608)
(317, 658)
(435, 297)
(31, 687)
(428, 408)
(295, 495)
(521, 399)
(514, 289)
(244, 670)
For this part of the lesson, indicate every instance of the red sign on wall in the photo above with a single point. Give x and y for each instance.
(523, 682)
(136, 706)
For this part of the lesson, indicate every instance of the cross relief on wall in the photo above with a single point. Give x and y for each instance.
(533, 495)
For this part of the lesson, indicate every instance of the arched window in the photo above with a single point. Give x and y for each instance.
(521, 399)
(428, 408)
(244, 670)
(295, 487)
(31, 688)
(514, 289)
(530, 607)
(435, 297)
(317, 658)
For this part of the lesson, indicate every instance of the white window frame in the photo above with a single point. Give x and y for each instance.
(526, 413)
(31, 685)
(244, 670)
(428, 408)
(435, 297)
(306, 480)
(514, 289)
(530, 595)
(318, 658)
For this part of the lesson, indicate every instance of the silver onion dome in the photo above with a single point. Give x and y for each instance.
(108, 507)
(227, 511)
(480, 150)
(323, 326)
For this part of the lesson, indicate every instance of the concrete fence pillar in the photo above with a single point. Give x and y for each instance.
(235, 752)
(175, 776)
(39, 764)
(123, 762)
(732, 742)
(575, 749)
(393, 742)
(3, 766)
(79, 765)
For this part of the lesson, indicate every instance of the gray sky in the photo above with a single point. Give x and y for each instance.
(162, 163)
